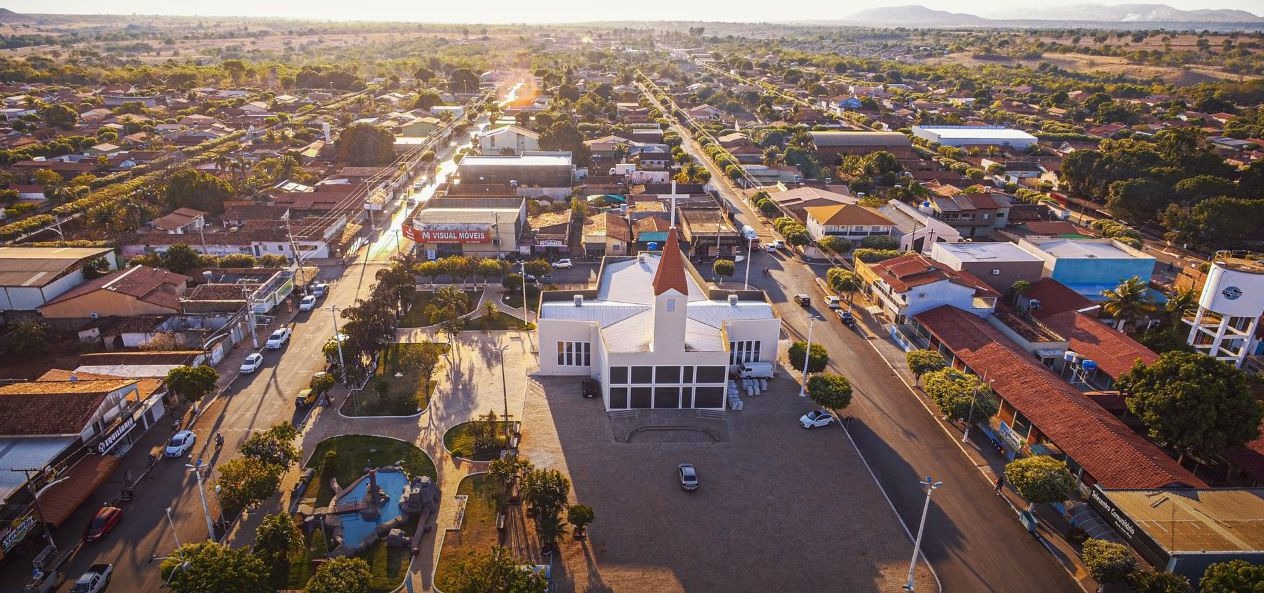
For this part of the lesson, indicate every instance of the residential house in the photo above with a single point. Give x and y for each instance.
(138, 290)
(972, 214)
(917, 230)
(911, 284)
(33, 276)
(606, 233)
(851, 222)
(421, 127)
(180, 221)
(1000, 265)
(551, 232)
(508, 140)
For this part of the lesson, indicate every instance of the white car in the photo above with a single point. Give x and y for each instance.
(563, 264)
(816, 419)
(279, 338)
(252, 363)
(773, 246)
(308, 303)
(180, 443)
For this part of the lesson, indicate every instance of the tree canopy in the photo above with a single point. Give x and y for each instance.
(495, 572)
(1235, 576)
(192, 383)
(1040, 479)
(341, 575)
(211, 567)
(365, 145)
(191, 188)
(960, 396)
(829, 390)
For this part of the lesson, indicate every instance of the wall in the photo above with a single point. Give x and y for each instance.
(767, 331)
(1010, 272)
(1109, 272)
(104, 303)
(552, 331)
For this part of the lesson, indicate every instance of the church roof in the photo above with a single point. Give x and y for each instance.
(670, 274)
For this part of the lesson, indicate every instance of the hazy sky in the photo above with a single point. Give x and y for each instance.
(507, 11)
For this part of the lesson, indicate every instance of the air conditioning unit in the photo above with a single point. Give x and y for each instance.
(996, 271)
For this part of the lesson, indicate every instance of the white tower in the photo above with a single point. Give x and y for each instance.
(1229, 309)
(671, 296)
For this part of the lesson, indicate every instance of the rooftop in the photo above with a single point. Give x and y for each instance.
(1198, 521)
(1065, 248)
(967, 132)
(987, 252)
(524, 160)
(27, 452)
(914, 269)
(859, 139)
(847, 215)
(144, 283)
(38, 266)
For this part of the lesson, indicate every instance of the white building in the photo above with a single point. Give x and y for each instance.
(975, 136)
(508, 140)
(1229, 310)
(911, 284)
(917, 231)
(653, 335)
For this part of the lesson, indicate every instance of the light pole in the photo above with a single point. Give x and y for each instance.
(250, 315)
(750, 243)
(504, 386)
(172, 523)
(342, 363)
(526, 311)
(196, 468)
(397, 251)
(931, 486)
(807, 355)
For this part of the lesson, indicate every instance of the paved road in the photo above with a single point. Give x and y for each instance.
(972, 537)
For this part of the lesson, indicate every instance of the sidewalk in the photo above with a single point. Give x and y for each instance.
(980, 451)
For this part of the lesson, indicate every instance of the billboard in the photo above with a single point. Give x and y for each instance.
(470, 235)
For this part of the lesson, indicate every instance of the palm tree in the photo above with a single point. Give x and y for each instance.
(1128, 302)
(1182, 302)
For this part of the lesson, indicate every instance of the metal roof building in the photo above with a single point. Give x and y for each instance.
(32, 276)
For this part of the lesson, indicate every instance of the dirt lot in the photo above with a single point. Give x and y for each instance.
(1105, 64)
(780, 508)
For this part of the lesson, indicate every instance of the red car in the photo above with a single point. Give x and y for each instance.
(103, 523)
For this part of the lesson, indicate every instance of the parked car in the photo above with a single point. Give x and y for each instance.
(279, 338)
(306, 397)
(563, 264)
(180, 443)
(774, 246)
(688, 477)
(803, 300)
(833, 302)
(846, 317)
(320, 289)
(308, 303)
(816, 419)
(95, 580)
(591, 388)
(103, 523)
(252, 363)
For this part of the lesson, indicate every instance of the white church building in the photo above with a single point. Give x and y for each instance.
(653, 334)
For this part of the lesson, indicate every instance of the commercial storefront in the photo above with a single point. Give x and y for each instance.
(485, 227)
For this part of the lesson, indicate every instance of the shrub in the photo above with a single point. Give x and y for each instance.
(880, 242)
(1108, 562)
(870, 256)
(816, 361)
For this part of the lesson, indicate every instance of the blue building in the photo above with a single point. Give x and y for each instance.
(1089, 266)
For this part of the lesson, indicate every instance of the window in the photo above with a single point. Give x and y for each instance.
(666, 374)
(577, 354)
(618, 375)
(711, 374)
(642, 397)
(687, 375)
(708, 397)
(618, 398)
(642, 374)
(666, 397)
(743, 351)
(671, 305)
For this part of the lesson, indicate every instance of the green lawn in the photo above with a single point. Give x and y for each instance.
(405, 395)
(478, 530)
(353, 456)
(459, 441)
(387, 565)
(513, 298)
(501, 321)
(415, 316)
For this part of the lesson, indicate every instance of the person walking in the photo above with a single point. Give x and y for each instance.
(1000, 483)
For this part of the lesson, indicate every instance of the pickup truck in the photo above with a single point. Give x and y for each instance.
(95, 580)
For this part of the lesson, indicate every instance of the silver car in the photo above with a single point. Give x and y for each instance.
(688, 477)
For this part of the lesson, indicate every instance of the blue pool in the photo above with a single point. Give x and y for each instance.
(355, 529)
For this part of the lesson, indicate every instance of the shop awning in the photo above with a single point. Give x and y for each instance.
(61, 501)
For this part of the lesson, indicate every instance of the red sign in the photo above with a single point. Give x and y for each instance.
(447, 236)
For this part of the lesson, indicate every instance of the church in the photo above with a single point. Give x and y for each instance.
(654, 334)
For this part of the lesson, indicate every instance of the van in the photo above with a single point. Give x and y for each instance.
(748, 232)
(755, 370)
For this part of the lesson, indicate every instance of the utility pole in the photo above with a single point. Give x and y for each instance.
(172, 523)
(250, 315)
(970, 417)
(39, 512)
(526, 311)
(931, 486)
(750, 243)
(196, 468)
(342, 363)
(807, 356)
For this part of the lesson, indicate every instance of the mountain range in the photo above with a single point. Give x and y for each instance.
(918, 15)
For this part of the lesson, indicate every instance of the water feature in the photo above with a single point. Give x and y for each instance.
(357, 527)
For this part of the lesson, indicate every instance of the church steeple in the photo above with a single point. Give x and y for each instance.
(670, 274)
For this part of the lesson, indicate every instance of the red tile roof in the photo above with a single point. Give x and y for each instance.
(911, 270)
(52, 408)
(1055, 297)
(1112, 350)
(670, 274)
(1108, 450)
(151, 285)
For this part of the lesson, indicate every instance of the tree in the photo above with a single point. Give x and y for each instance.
(830, 243)
(723, 268)
(1198, 188)
(364, 145)
(274, 446)
(211, 567)
(816, 361)
(244, 481)
(880, 242)
(60, 115)
(322, 382)
(180, 258)
(341, 575)
(485, 432)
(922, 361)
(462, 80)
(1040, 479)
(1158, 582)
(275, 537)
(495, 572)
(191, 188)
(960, 396)
(452, 301)
(1235, 576)
(1128, 302)
(506, 470)
(1181, 302)
(1137, 201)
(1193, 403)
(580, 515)
(28, 337)
(1108, 561)
(829, 390)
(191, 383)
(844, 281)
(547, 491)
(237, 260)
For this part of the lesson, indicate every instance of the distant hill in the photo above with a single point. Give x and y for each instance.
(914, 14)
(8, 16)
(1128, 13)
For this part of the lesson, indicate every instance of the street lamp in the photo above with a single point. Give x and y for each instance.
(931, 486)
(174, 535)
(196, 468)
(807, 355)
(504, 386)
(750, 243)
(342, 363)
(526, 311)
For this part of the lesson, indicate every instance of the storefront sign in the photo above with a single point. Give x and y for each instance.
(1012, 439)
(447, 235)
(17, 532)
(1124, 525)
(108, 442)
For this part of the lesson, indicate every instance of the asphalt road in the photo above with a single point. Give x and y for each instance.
(972, 537)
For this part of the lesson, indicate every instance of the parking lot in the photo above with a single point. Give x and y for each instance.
(780, 508)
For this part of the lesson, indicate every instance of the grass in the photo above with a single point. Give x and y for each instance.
(501, 321)
(416, 313)
(387, 565)
(353, 456)
(513, 298)
(460, 442)
(403, 396)
(478, 530)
